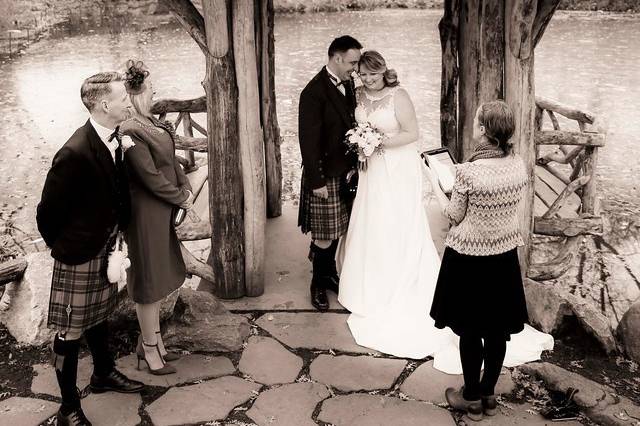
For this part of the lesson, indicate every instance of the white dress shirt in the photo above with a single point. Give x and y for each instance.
(104, 134)
(336, 81)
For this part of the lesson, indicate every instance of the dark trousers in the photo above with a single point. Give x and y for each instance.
(65, 361)
(472, 354)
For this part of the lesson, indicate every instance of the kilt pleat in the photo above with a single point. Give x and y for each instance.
(81, 295)
(325, 219)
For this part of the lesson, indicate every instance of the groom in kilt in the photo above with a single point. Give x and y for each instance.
(85, 201)
(326, 113)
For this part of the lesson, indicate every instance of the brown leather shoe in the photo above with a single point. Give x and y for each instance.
(489, 405)
(456, 401)
(74, 418)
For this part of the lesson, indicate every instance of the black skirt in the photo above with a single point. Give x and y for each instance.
(480, 295)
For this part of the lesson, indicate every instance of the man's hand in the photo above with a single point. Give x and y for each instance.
(188, 203)
(322, 192)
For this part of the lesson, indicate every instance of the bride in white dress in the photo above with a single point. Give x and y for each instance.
(390, 264)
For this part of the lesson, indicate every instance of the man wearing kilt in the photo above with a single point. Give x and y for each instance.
(326, 113)
(85, 201)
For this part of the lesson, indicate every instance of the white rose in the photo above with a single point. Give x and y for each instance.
(127, 143)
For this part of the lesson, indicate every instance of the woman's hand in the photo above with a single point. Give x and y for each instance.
(188, 203)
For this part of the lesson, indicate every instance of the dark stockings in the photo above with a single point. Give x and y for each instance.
(472, 354)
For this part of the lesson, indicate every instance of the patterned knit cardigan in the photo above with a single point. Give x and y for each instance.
(484, 207)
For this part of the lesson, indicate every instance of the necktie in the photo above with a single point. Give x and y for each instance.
(120, 177)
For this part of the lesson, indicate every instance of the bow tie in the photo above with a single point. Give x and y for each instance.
(116, 135)
(336, 82)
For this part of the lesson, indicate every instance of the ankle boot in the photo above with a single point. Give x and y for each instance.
(333, 279)
(319, 298)
(65, 362)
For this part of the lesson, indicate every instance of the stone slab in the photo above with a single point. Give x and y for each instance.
(291, 404)
(204, 402)
(19, 411)
(268, 362)
(428, 384)
(312, 330)
(377, 410)
(45, 381)
(356, 373)
(190, 368)
(112, 409)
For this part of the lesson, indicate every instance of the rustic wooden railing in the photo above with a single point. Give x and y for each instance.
(572, 164)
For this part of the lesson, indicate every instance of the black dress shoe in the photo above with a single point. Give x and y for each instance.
(319, 298)
(74, 418)
(115, 381)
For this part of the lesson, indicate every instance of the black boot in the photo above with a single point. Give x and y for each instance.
(332, 280)
(319, 298)
(75, 418)
(65, 362)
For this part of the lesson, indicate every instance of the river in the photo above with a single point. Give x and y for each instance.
(587, 60)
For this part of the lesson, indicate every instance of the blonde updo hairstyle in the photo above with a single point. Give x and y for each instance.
(376, 63)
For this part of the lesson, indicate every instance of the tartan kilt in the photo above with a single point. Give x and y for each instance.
(81, 295)
(325, 219)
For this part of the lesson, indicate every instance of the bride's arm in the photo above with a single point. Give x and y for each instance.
(406, 116)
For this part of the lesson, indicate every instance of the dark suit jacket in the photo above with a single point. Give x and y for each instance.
(83, 199)
(324, 116)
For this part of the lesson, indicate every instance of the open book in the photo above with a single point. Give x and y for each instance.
(442, 164)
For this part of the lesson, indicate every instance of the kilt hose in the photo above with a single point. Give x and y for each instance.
(325, 219)
(81, 295)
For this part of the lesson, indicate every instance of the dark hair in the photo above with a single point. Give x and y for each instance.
(499, 124)
(376, 63)
(96, 87)
(342, 44)
(135, 75)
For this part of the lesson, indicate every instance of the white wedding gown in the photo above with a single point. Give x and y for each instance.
(389, 264)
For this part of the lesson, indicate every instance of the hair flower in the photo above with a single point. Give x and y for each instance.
(135, 76)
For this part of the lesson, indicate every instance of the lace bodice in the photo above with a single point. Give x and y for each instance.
(378, 110)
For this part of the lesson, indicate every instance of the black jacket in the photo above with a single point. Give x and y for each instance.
(83, 199)
(324, 116)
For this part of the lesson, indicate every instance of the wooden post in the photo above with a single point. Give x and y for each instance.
(481, 61)
(520, 95)
(269, 118)
(589, 190)
(225, 180)
(188, 131)
(251, 145)
(448, 28)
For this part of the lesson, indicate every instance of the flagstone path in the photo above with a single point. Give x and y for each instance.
(298, 368)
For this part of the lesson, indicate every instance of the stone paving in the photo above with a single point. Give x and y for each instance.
(299, 367)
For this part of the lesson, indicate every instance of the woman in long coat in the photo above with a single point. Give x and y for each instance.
(158, 188)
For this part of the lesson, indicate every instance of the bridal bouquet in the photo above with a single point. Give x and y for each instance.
(364, 139)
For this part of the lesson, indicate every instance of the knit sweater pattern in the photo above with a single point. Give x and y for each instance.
(484, 207)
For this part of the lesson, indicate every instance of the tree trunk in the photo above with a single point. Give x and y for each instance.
(12, 270)
(251, 145)
(481, 62)
(448, 28)
(225, 180)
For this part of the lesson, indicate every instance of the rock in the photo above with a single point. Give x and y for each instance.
(18, 411)
(112, 409)
(26, 314)
(291, 404)
(312, 330)
(190, 368)
(547, 307)
(629, 331)
(370, 410)
(45, 381)
(356, 373)
(601, 403)
(428, 384)
(594, 322)
(125, 314)
(204, 402)
(202, 324)
(268, 362)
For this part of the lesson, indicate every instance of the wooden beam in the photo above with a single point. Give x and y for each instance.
(192, 144)
(198, 268)
(589, 191)
(556, 173)
(565, 110)
(448, 28)
(164, 106)
(520, 22)
(12, 270)
(561, 137)
(225, 179)
(565, 227)
(191, 231)
(544, 12)
(189, 17)
(268, 115)
(570, 189)
(251, 145)
(552, 269)
(560, 157)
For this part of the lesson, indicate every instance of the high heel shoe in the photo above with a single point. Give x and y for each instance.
(142, 356)
(169, 356)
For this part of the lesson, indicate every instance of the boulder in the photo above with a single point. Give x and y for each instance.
(629, 332)
(546, 305)
(124, 317)
(26, 302)
(202, 324)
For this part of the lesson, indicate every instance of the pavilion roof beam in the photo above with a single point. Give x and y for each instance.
(544, 12)
(191, 19)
